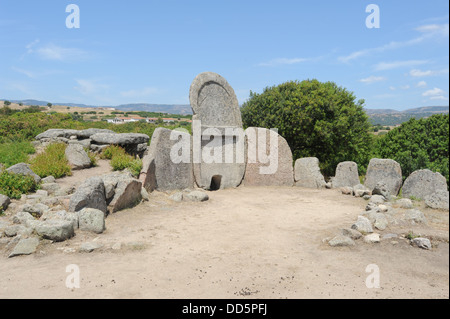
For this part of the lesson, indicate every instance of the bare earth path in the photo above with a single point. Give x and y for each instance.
(243, 243)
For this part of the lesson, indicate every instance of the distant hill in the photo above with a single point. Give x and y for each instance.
(182, 109)
(389, 117)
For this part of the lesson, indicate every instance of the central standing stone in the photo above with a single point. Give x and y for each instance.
(219, 140)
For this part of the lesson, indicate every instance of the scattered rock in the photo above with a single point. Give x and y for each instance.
(363, 225)
(15, 230)
(360, 190)
(347, 190)
(126, 195)
(90, 194)
(42, 193)
(423, 243)
(405, 203)
(197, 196)
(381, 189)
(89, 247)
(122, 139)
(423, 183)
(116, 246)
(92, 220)
(177, 197)
(4, 202)
(352, 233)
(25, 247)
(48, 180)
(415, 216)
(307, 173)
(56, 230)
(383, 208)
(389, 236)
(36, 210)
(341, 241)
(144, 194)
(77, 157)
(381, 221)
(377, 199)
(384, 170)
(22, 218)
(372, 238)
(51, 188)
(23, 169)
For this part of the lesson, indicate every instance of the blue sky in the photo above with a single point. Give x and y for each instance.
(140, 51)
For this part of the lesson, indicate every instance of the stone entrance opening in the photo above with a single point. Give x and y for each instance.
(215, 182)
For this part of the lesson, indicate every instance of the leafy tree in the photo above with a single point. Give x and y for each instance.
(316, 119)
(418, 144)
(49, 105)
(7, 103)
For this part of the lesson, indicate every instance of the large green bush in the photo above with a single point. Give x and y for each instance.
(418, 144)
(316, 119)
(13, 153)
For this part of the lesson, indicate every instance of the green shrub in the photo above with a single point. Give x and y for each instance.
(14, 185)
(120, 160)
(112, 151)
(316, 119)
(52, 162)
(92, 157)
(418, 144)
(13, 153)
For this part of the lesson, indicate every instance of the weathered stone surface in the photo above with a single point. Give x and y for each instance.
(360, 190)
(4, 202)
(127, 194)
(163, 167)
(384, 170)
(86, 134)
(346, 175)
(56, 230)
(275, 168)
(23, 169)
(55, 133)
(22, 218)
(372, 238)
(89, 247)
(381, 189)
(377, 199)
(347, 190)
(363, 225)
(438, 200)
(92, 220)
(77, 156)
(90, 194)
(26, 246)
(423, 243)
(119, 139)
(36, 210)
(48, 180)
(15, 230)
(218, 138)
(415, 216)
(177, 197)
(352, 233)
(51, 188)
(111, 180)
(381, 222)
(84, 143)
(341, 241)
(423, 183)
(197, 196)
(307, 173)
(404, 203)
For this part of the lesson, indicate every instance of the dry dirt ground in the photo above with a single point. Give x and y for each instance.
(258, 242)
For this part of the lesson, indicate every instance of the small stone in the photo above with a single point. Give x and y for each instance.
(48, 180)
(25, 247)
(177, 197)
(372, 238)
(42, 193)
(404, 203)
(89, 247)
(381, 221)
(197, 196)
(341, 241)
(389, 236)
(117, 246)
(383, 208)
(415, 216)
(377, 199)
(423, 243)
(22, 217)
(363, 225)
(352, 233)
(347, 190)
(93, 220)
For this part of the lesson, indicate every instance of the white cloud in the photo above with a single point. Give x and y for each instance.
(439, 97)
(421, 84)
(90, 87)
(405, 87)
(420, 73)
(433, 92)
(372, 79)
(434, 28)
(392, 88)
(283, 61)
(54, 52)
(29, 74)
(140, 93)
(382, 66)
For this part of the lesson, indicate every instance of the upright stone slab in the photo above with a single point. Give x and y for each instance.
(168, 164)
(269, 159)
(384, 170)
(307, 173)
(423, 183)
(218, 138)
(77, 156)
(346, 175)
